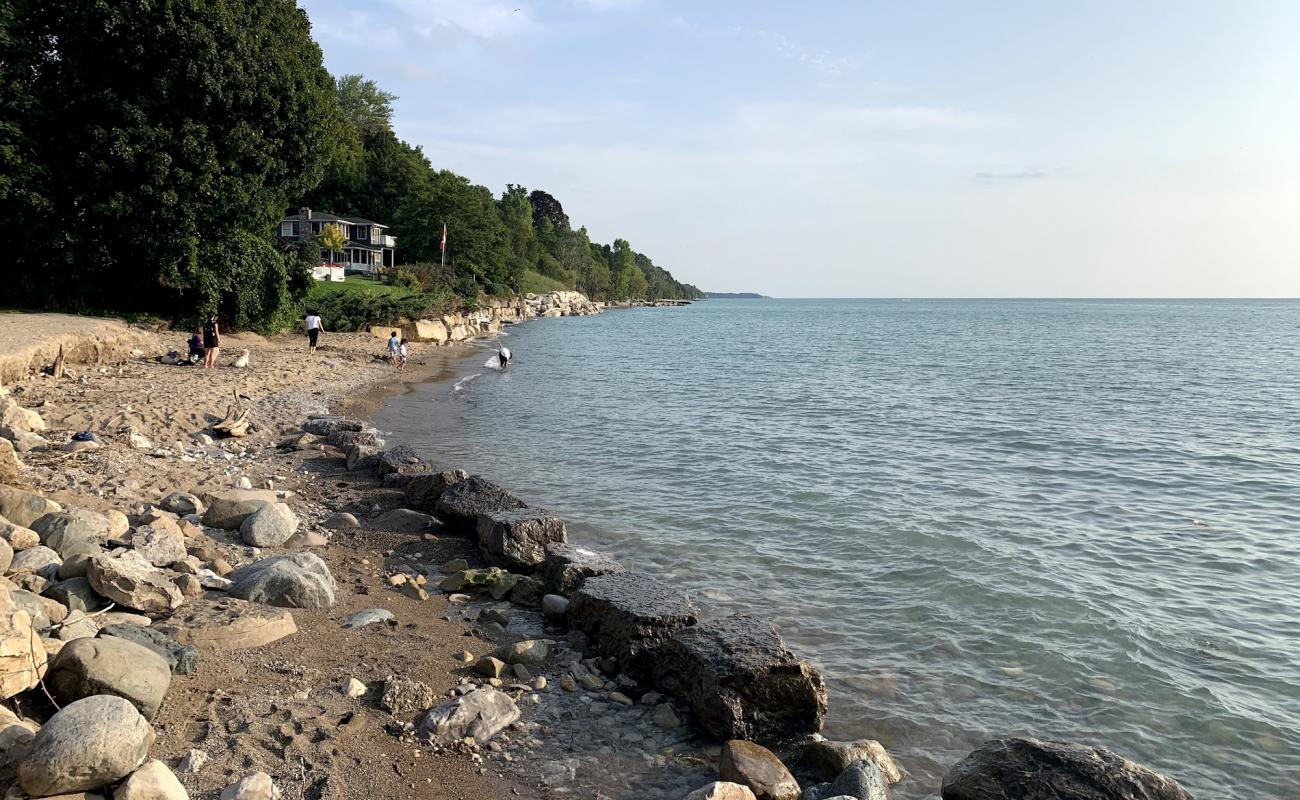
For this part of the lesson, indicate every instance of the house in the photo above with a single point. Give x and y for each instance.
(369, 248)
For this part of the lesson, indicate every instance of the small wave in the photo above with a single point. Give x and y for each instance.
(460, 384)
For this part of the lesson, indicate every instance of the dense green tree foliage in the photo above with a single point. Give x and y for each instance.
(150, 147)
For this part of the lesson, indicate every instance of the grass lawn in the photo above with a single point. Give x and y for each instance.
(355, 284)
(537, 283)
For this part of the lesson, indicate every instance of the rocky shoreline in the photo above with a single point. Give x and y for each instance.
(473, 647)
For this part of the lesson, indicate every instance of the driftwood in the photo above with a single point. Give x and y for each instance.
(57, 369)
(235, 423)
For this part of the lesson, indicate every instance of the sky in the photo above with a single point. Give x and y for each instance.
(871, 149)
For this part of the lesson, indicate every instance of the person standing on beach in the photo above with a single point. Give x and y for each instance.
(314, 330)
(393, 344)
(211, 342)
(401, 355)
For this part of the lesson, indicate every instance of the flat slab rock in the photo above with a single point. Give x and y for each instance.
(460, 505)
(1034, 769)
(181, 659)
(741, 681)
(227, 624)
(629, 615)
(519, 537)
(567, 566)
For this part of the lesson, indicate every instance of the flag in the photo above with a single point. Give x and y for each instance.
(443, 245)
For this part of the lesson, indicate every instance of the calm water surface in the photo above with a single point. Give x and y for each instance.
(979, 518)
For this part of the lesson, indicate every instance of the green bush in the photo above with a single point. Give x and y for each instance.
(407, 279)
(356, 311)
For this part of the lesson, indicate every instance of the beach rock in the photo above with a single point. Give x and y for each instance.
(76, 559)
(401, 460)
(23, 441)
(665, 716)
(6, 556)
(86, 745)
(489, 580)
(519, 537)
(111, 666)
(77, 625)
(296, 580)
(76, 594)
(15, 416)
(369, 616)
(34, 559)
(123, 618)
(721, 790)
(423, 490)
(629, 615)
(37, 610)
(490, 667)
(480, 714)
(758, 768)
(22, 655)
(269, 526)
(402, 698)
(353, 688)
(530, 652)
(160, 546)
(182, 503)
(862, 780)
(460, 505)
(129, 580)
(567, 566)
(71, 523)
(324, 426)
(740, 679)
(257, 786)
(555, 607)
(193, 761)
(345, 439)
(18, 537)
(22, 507)
(1034, 769)
(341, 521)
(228, 508)
(16, 735)
(404, 520)
(227, 624)
(181, 659)
(11, 467)
(304, 539)
(152, 781)
(362, 457)
(825, 760)
(527, 592)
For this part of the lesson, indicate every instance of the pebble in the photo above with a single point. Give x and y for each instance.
(568, 684)
(354, 688)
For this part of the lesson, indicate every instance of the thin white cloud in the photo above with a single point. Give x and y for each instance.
(422, 21)
(608, 5)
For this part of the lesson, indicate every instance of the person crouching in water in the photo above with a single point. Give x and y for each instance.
(503, 353)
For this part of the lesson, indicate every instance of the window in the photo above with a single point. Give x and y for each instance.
(288, 229)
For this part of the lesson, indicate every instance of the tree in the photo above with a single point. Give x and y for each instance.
(332, 238)
(366, 107)
(517, 216)
(169, 137)
(478, 244)
(546, 207)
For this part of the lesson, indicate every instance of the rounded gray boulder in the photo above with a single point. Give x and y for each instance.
(87, 745)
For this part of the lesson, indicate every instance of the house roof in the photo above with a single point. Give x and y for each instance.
(324, 216)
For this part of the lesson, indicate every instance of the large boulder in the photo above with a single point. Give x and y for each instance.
(422, 491)
(721, 790)
(481, 714)
(16, 735)
(86, 667)
(460, 505)
(825, 759)
(12, 415)
(296, 580)
(629, 615)
(361, 457)
(19, 537)
(345, 439)
(741, 681)
(325, 425)
(1034, 769)
(160, 545)
(404, 520)
(269, 526)
(34, 559)
(181, 659)
(80, 523)
(862, 780)
(11, 466)
(37, 607)
(129, 580)
(6, 556)
(77, 594)
(227, 624)
(22, 656)
(228, 508)
(152, 781)
(22, 507)
(86, 745)
(401, 460)
(758, 768)
(519, 537)
(566, 566)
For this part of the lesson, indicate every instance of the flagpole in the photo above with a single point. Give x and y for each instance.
(443, 246)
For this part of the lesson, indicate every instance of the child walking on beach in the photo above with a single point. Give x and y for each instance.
(393, 344)
(401, 355)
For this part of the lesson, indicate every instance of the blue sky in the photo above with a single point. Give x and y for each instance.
(872, 149)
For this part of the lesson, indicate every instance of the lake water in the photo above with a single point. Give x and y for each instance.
(1067, 519)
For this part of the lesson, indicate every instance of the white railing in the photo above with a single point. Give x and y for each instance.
(388, 241)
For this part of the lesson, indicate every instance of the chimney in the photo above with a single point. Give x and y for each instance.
(305, 214)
